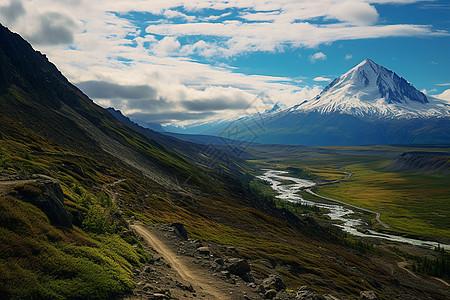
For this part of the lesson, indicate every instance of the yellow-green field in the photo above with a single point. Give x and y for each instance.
(410, 202)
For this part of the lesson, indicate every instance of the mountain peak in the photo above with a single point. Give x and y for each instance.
(368, 62)
(391, 87)
(371, 89)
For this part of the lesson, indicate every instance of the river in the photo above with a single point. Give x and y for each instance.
(346, 219)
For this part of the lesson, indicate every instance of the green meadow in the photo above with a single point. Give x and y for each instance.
(410, 202)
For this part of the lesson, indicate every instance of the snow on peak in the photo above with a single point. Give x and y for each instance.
(371, 89)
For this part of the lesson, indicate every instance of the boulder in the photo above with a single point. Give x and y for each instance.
(47, 195)
(248, 277)
(237, 266)
(368, 295)
(274, 282)
(270, 294)
(180, 230)
(158, 296)
(204, 250)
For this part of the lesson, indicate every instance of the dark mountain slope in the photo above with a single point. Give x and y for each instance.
(203, 154)
(36, 94)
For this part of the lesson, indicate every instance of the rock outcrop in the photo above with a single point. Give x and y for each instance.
(368, 295)
(180, 230)
(274, 282)
(47, 195)
(237, 266)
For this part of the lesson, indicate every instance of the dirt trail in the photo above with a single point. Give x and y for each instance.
(191, 275)
(112, 195)
(403, 264)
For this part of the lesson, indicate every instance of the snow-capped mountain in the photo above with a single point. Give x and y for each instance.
(367, 105)
(372, 90)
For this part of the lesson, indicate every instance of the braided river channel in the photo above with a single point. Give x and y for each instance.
(343, 216)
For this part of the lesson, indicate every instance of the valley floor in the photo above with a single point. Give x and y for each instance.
(408, 195)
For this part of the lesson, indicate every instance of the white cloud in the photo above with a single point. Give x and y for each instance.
(176, 14)
(321, 79)
(167, 46)
(270, 36)
(354, 12)
(317, 56)
(348, 56)
(105, 46)
(443, 84)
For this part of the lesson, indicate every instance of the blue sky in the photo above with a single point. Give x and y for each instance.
(177, 61)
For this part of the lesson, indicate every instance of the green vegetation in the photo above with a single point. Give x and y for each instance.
(39, 261)
(242, 213)
(437, 264)
(439, 267)
(412, 203)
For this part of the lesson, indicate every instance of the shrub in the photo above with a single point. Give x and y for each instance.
(97, 220)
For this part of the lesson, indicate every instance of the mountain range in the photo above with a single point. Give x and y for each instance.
(369, 104)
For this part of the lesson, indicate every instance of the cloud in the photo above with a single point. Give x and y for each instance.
(170, 116)
(12, 11)
(53, 29)
(321, 79)
(220, 98)
(348, 56)
(317, 56)
(428, 92)
(214, 104)
(443, 84)
(354, 12)
(202, 48)
(236, 37)
(171, 14)
(166, 46)
(168, 65)
(107, 90)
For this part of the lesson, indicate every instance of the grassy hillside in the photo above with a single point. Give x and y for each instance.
(40, 261)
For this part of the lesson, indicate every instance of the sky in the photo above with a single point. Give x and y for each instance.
(179, 62)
